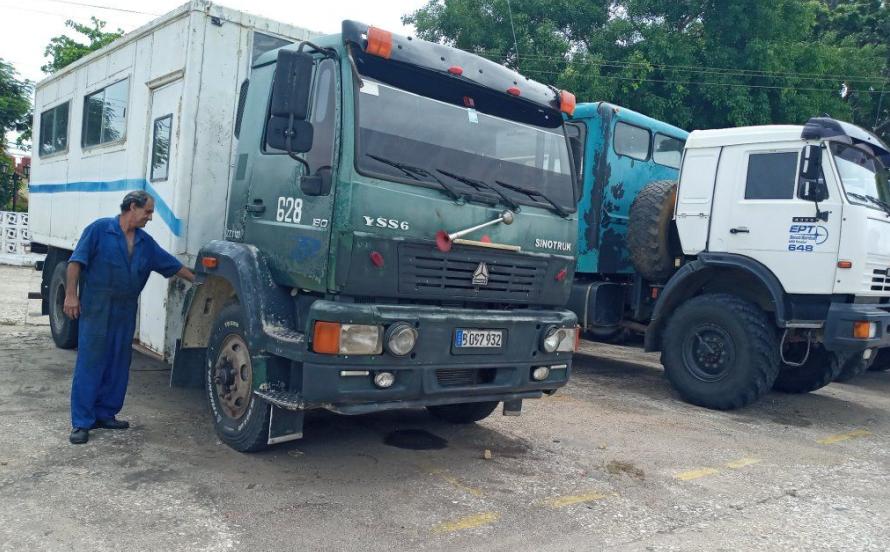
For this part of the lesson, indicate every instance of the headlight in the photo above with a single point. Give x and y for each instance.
(559, 340)
(333, 338)
(400, 339)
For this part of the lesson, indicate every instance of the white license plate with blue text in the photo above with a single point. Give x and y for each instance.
(489, 339)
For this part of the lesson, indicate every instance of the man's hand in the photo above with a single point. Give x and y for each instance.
(71, 307)
(186, 274)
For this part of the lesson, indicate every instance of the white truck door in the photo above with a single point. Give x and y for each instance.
(161, 174)
(694, 196)
(757, 214)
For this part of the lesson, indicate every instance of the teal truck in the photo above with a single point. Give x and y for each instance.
(400, 233)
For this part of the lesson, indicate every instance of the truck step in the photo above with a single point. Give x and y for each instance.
(282, 399)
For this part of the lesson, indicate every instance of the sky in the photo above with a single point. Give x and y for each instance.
(26, 27)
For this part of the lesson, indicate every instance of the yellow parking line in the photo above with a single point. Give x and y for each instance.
(695, 474)
(562, 501)
(832, 439)
(469, 522)
(742, 462)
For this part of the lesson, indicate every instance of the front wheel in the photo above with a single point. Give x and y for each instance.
(821, 368)
(63, 329)
(853, 366)
(240, 418)
(463, 413)
(720, 351)
(882, 361)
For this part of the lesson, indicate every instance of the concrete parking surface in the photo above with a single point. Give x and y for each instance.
(612, 462)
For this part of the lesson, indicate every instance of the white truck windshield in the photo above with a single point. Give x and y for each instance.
(408, 136)
(863, 176)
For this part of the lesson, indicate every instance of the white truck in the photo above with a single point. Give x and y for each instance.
(154, 110)
(766, 266)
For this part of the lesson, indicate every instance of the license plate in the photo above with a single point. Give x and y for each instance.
(478, 339)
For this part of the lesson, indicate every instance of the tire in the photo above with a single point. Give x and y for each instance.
(821, 368)
(463, 413)
(853, 366)
(612, 335)
(240, 418)
(720, 351)
(881, 362)
(649, 230)
(63, 329)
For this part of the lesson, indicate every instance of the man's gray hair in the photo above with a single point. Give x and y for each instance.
(138, 198)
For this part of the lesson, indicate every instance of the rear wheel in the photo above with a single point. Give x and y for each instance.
(463, 413)
(63, 329)
(821, 368)
(720, 351)
(240, 418)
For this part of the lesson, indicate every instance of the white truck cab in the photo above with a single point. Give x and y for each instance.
(785, 229)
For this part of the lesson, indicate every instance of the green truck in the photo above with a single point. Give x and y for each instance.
(400, 233)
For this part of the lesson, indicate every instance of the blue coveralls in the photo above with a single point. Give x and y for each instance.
(112, 281)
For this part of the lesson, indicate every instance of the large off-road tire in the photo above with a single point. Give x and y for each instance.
(649, 236)
(820, 369)
(720, 351)
(240, 418)
(63, 329)
(852, 366)
(463, 413)
(882, 361)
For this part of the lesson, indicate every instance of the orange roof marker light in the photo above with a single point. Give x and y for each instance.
(379, 42)
(566, 102)
(513, 91)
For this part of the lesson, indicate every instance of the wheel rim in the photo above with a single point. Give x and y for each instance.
(58, 311)
(232, 376)
(709, 353)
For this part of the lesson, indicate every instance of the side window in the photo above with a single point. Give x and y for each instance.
(668, 151)
(322, 114)
(632, 141)
(771, 175)
(54, 130)
(160, 147)
(577, 134)
(263, 43)
(105, 114)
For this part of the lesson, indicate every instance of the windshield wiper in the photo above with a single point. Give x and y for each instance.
(477, 184)
(413, 171)
(882, 204)
(534, 193)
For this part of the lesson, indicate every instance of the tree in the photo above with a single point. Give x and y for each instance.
(64, 50)
(15, 103)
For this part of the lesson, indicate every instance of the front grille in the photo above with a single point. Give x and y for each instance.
(880, 279)
(424, 271)
(463, 378)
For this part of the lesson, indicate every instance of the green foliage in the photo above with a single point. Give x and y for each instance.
(15, 103)
(693, 63)
(63, 50)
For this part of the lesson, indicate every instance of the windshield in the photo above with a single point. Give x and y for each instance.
(863, 176)
(448, 141)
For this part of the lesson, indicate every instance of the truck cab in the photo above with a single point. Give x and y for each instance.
(399, 233)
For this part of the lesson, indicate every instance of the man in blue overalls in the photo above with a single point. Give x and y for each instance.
(116, 257)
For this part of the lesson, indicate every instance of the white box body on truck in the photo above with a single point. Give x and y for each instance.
(154, 110)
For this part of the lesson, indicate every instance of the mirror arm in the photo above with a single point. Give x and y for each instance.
(352, 64)
(290, 149)
(328, 52)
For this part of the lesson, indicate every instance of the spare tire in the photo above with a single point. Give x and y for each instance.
(649, 234)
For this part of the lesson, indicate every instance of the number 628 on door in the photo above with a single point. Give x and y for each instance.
(290, 209)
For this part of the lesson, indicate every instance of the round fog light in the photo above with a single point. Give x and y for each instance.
(384, 380)
(400, 339)
(540, 373)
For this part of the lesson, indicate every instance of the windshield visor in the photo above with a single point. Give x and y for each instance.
(435, 136)
(864, 177)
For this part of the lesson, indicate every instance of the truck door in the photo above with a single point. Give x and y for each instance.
(757, 213)
(291, 227)
(163, 126)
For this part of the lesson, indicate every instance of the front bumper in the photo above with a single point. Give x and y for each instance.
(435, 372)
(839, 327)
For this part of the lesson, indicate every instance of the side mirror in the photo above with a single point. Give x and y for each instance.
(287, 128)
(812, 190)
(319, 184)
(812, 185)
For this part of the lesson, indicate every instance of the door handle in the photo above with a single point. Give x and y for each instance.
(739, 230)
(256, 208)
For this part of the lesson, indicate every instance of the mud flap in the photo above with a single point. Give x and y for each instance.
(285, 425)
(513, 408)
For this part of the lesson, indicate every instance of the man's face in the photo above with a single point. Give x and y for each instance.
(141, 215)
